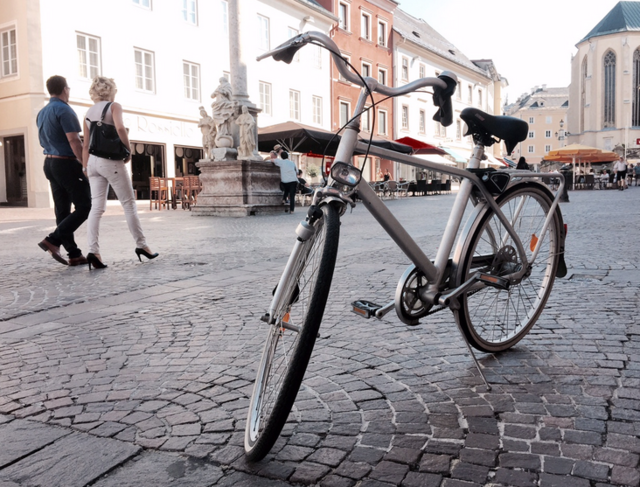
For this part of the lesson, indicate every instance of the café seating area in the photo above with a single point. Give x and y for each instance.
(422, 187)
(170, 192)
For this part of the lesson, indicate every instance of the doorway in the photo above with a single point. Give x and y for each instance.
(186, 158)
(147, 160)
(15, 170)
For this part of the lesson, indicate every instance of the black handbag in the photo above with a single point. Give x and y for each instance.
(104, 140)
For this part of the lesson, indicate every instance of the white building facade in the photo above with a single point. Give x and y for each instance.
(420, 51)
(166, 57)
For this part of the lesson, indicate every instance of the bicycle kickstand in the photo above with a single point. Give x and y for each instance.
(475, 360)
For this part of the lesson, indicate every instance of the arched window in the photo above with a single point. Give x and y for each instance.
(609, 89)
(583, 93)
(635, 114)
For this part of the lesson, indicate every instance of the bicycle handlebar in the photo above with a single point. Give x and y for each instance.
(444, 86)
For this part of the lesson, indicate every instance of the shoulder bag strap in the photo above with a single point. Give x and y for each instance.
(104, 112)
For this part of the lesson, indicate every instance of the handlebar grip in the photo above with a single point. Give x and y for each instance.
(442, 98)
(287, 50)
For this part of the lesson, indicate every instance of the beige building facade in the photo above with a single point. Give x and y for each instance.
(605, 83)
(546, 112)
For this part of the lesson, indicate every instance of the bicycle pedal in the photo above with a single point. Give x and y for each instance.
(494, 281)
(365, 308)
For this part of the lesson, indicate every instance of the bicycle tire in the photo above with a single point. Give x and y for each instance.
(495, 319)
(286, 353)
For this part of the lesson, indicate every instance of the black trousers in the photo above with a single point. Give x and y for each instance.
(290, 189)
(68, 185)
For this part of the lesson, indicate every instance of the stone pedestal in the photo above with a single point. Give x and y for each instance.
(238, 188)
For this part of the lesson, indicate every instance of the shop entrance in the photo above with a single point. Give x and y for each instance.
(186, 158)
(15, 170)
(147, 160)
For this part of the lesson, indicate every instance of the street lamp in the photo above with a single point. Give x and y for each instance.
(560, 135)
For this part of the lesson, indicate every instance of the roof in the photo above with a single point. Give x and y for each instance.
(541, 98)
(624, 17)
(422, 34)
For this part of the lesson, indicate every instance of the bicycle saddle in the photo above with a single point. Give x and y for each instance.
(510, 129)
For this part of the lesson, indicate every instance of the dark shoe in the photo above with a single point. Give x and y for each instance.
(54, 250)
(81, 260)
(140, 252)
(92, 260)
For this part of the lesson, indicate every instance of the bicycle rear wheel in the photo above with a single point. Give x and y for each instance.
(496, 319)
(286, 352)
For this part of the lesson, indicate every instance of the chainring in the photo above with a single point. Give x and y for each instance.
(409, 306)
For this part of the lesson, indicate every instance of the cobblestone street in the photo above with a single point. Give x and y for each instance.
(140, 374)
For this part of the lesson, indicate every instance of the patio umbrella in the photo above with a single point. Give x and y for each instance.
(580, 153)
(296, 137)
(419, 147)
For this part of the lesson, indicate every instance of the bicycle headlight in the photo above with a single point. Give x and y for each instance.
(346, 174)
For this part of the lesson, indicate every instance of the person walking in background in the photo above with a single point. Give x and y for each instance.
(522, 164)
(620, 168)
(636, 170)
(58, 131)
(288, 177)
(105, 172)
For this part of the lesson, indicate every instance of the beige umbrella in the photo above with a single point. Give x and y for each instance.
(580, 153)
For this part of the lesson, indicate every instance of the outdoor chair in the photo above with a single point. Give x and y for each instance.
(158, 192)
(392, 188)
(403, 189)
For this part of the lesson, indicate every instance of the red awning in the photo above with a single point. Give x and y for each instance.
(420, 147)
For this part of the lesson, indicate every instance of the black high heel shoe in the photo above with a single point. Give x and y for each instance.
(97, 263)
(149, 256)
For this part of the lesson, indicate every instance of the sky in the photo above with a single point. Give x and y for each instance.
(530, 42)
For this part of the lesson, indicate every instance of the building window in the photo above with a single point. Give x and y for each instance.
(549, 119)
(405, 69)
(292, 33)
(459, 91)
(9, 52)
(317, 56)
(635, 114)
(610, 89)
(532, 134)
(382, 76)
(365, 26)
(191, 75)
(366, 70)
(88, 56)
(530, 149)
(265, 97)
(547, 148)
(294, 105)
(190, 11)
(583, 91)
(470, 95)
(343, 16)
(531, 120)
(263, 33)
(144, 70)
(480, 98)
(317, 109)
(348, 59)
(440, 130)
(382, 122)
(422, 71)
(365, 120)
(382, 33)
(422, 125)
(224, 18)
(405, 117)
(143, 3)
(344, 113)
(547, 134)
(458, 130)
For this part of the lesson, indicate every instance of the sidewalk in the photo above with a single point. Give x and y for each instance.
(140, 374)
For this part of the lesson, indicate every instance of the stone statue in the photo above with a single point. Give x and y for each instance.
(246, 124)
(208, 128)
(223, 111)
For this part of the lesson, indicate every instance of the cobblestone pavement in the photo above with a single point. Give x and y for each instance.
(140, 374)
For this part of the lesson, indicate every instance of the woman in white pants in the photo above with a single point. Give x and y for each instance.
(105, 172)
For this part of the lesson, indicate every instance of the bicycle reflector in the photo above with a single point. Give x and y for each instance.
(346, 174)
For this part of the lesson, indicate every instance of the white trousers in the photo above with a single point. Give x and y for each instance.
(102, 173)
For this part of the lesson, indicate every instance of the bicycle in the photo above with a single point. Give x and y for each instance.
(496, 280)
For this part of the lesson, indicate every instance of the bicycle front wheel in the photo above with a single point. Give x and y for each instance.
(496, 319)
(291, 338)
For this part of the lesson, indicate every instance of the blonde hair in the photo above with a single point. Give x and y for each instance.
(102, 89)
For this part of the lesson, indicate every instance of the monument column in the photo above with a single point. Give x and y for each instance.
(246, 185)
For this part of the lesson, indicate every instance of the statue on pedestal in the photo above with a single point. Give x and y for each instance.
(246, 124)
(208, 128)
(223, 111)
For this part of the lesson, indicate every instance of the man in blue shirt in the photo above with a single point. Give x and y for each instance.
(58, 130)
